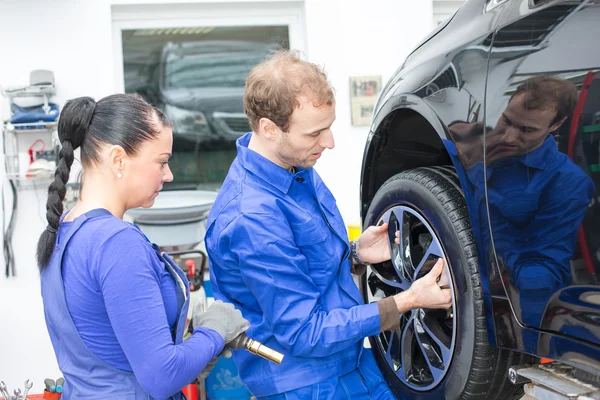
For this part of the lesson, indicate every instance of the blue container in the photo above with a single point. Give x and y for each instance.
(224, 383)
(208, 288)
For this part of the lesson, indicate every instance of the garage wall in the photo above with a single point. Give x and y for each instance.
(75, 39)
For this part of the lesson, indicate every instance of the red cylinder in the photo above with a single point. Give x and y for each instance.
(191, 391)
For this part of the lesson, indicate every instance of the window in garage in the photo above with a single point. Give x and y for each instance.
(196, 75)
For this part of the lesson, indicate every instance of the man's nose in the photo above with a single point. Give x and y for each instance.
(327, 141)
(511, 135)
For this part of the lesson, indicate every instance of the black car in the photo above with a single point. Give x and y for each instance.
(200, 86)
(484, 150)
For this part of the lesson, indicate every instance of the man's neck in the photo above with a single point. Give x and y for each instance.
(257, 145)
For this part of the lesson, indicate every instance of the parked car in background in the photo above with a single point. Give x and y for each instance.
(200, 86)
(484, 150)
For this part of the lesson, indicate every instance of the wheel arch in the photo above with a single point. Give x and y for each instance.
(393, 147)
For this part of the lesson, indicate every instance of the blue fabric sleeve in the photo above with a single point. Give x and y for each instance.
(128, 274)
(276, 273)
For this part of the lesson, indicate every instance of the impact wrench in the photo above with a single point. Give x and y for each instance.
(251, 345)
(255, 347)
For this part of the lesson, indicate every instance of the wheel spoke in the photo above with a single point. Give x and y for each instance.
(404, 253)
(396, 258)
(378, 287)
(431, 255)
(392, 281)
(430, 352)
(392, 354)
(408, 336)
(420, 351)
(435, 332)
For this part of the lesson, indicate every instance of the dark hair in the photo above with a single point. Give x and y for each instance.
(544, 92)
(126, 120)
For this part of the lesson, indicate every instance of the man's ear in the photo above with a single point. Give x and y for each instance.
(268, 128)
(554, 127)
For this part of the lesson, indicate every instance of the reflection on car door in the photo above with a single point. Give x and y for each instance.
(542, 167)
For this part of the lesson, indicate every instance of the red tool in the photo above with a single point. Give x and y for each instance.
(191, 265)
(31, 150)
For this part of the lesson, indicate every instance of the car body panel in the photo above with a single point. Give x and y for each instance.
(455, 85)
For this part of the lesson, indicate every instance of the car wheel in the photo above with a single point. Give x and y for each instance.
(436, 353)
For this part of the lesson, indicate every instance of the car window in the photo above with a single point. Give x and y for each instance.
(196, 76)
(202, 67)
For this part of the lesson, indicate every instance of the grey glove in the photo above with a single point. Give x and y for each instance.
(222, 318)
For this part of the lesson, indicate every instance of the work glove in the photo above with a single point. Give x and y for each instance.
(222, 318)
(225, 320)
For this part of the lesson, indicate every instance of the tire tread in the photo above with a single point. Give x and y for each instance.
(488, 373)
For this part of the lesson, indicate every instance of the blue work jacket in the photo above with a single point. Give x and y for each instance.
(279, 251)
(535, 204)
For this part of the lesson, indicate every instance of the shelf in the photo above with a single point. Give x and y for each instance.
(32, 127)
(30, 91)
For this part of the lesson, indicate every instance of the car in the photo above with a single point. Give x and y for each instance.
(484, 150)
(199, 85)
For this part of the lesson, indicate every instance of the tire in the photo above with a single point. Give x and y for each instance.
(472, 369)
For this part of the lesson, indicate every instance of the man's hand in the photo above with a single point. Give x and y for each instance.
(425, 292)
(373, 245)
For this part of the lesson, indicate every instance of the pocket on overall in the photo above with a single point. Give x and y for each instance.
(311, 239)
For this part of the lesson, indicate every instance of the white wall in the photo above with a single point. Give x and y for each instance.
(74, 39)
(354, 38)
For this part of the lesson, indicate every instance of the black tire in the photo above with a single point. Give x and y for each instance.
(477, 370)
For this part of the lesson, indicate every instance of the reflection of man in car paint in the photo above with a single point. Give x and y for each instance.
(537, 196)
(538, 106)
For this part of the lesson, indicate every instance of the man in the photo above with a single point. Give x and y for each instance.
(536, 195)
(279, 252)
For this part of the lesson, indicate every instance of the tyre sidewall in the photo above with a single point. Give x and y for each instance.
(412, 194)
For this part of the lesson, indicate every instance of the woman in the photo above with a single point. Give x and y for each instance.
(115, 306)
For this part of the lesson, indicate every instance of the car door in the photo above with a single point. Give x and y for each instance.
(541, 170)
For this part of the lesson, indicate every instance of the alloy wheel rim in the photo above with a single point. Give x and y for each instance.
(420, 351)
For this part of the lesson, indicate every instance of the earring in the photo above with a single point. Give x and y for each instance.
(119, 175)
